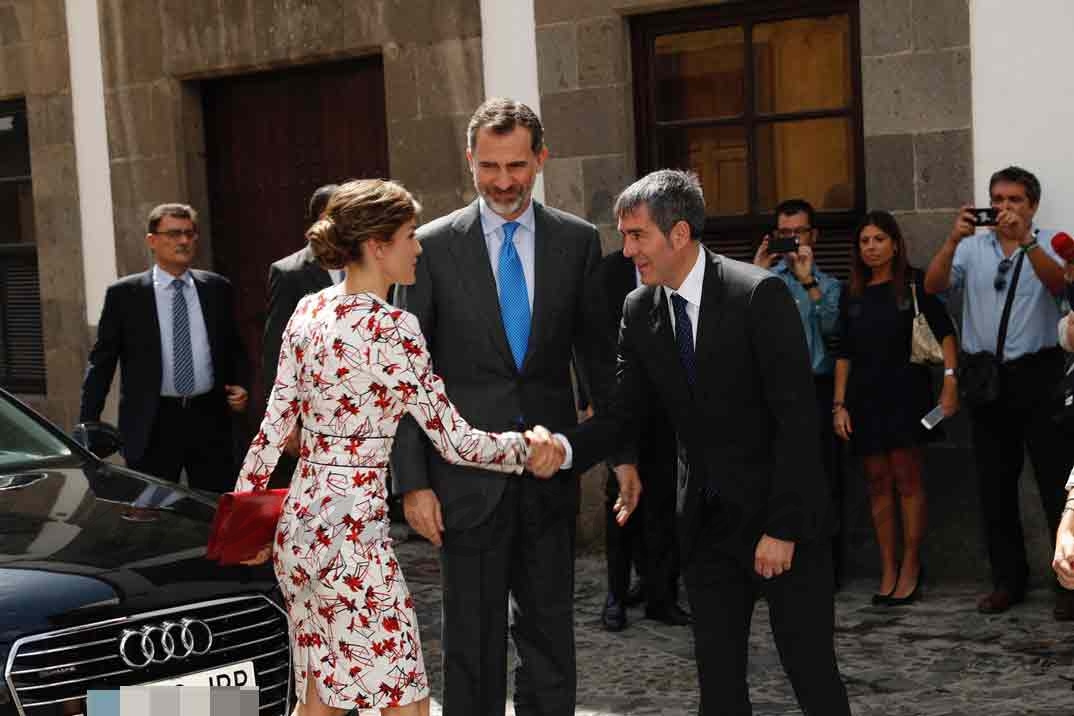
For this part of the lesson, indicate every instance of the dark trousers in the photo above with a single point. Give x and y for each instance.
(195, 435)
(648, 539)
(1019, 421)
(833, 469)
(722, 591)
(525, 550)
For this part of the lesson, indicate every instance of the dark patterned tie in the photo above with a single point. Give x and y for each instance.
(514, 296)
(684, 336)
(182, 353)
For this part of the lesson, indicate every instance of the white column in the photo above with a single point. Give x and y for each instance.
(91, 153)
(509, 55)
(1023, 99)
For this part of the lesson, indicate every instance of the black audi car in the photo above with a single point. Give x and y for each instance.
(104, 583)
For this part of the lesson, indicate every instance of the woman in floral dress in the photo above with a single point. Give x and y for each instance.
(351, 366)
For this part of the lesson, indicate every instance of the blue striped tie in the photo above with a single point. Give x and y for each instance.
(514, 297)
(182, 353)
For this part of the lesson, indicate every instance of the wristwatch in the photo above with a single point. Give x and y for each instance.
(948, 371)
(810, 285)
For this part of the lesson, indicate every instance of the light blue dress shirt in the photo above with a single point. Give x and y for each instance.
(1034, 313)
(819, 319)
(525, 242)
(199, 335)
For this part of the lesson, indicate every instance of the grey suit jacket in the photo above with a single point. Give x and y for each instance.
(455, 300)
(290, 278)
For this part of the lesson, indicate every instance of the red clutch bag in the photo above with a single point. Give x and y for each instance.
(244, 523)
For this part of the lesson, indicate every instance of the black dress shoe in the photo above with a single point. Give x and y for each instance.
(635, 595)
(672, 615)
(913, 596)
(613, 618)
(883, 600)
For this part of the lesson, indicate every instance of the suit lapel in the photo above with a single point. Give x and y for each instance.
(472, 255)
(149, 316)
(546, 253)
(316, 277)
(667, 350)
(713, 310)
(208, 313)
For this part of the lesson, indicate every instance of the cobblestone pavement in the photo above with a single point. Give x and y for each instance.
(937, 657)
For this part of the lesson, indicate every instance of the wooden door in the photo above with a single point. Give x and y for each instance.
(272, 138)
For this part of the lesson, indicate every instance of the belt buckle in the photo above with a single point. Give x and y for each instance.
(184, 401)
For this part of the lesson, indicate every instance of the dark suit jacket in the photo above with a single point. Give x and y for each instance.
(749, 423)
(290, 278)
(455, 300)
(129, 333)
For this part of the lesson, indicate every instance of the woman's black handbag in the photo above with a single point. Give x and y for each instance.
(978, 373)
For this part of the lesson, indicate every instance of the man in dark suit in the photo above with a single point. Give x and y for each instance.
(290, 279)
(502, 298)
(721, 344)
(172, 329)
(649, 538)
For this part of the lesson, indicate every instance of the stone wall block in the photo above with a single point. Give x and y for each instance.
(557, 57)
(450, 78)
(196, 37)
(314, 27)
(564, 187)
(547, 12)
(889, 172)
(142, 120)
(132, 41)
(425, 22)
(429, 154)
(155, 180)
(49, 119)
(53, 169)
(401, 81)
(587, 122)
(49, 70)
(48, 18)
(602, 52)
(13, 70)
(940, 24)
(14, 26)
(917, 92)
(611, 240)
(885, 27)
(925, 233)
(365, 24)
(944, 169)
(603, 178)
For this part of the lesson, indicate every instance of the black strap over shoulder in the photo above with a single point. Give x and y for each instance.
(1005, 319)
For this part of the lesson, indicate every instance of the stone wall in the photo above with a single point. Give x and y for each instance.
(34, 66)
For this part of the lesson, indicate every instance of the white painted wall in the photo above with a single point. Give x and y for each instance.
(91, 153)
(509, 55)
(1023, 99)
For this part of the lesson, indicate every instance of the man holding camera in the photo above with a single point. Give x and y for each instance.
(788, 253)
(1009, 391)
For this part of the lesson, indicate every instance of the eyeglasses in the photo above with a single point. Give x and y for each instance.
(800, 232)
(176, 234)
(1000, 282)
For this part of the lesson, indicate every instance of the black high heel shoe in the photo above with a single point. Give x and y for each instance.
(912, 596)
(881, 600)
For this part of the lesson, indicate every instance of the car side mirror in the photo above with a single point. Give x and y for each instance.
(101, 439)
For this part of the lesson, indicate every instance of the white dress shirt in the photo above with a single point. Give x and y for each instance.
(525, 243)
(199, 335)
(690, 290)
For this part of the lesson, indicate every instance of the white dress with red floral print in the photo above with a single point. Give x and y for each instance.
(352, 366)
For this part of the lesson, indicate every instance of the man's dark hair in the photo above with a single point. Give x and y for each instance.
(1018, 175)
(178, 211)
(790, 207)
(319, 201)
(502, 116)
(671, 195)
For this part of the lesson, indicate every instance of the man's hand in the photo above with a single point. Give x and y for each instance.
(236, 397)
(1063, 563)
(803, 264)
(772, 557)
(422, 511)
(964, 225)
(762, 258)
(546, 453)
(293, 444)
(1011, 225)
(629, 492)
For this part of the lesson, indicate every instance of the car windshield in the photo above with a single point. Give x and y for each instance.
(23, 439)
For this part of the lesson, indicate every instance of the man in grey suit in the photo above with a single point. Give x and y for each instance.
(291, 278)
(503, 294)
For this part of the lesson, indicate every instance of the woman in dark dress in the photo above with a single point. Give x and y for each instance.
(880, 396)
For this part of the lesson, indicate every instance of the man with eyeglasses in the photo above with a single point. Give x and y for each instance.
(816, 295)
(985, 267)
(173, 330)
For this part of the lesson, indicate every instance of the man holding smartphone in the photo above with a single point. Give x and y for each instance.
(788, 253)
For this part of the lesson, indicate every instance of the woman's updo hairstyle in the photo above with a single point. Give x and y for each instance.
(359, 211)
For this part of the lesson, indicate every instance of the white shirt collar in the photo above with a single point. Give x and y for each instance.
(164, 279)
(694, 281)
(490, 220)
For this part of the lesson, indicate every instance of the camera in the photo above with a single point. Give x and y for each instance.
(782, 244)
(985, 216)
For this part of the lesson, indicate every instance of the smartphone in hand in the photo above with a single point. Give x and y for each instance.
(932, 418)
(985, 216)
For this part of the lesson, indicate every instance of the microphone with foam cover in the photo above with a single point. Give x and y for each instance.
(1064, 246)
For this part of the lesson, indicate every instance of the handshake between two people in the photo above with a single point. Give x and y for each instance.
(547, 453)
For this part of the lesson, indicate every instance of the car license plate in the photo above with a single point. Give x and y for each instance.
(234, 675)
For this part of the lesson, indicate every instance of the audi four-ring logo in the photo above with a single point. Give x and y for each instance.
(159, 643)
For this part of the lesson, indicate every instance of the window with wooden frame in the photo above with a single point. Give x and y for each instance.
(22, 354)
(763, 101)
